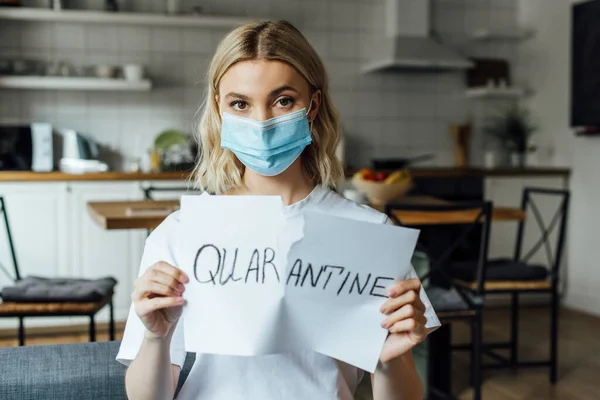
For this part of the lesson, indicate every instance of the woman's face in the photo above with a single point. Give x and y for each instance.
(264, 89)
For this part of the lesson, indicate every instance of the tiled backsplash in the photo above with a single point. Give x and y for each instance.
(383, 115)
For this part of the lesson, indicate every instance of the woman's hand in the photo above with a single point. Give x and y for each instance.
(157, 298)
(405, 319)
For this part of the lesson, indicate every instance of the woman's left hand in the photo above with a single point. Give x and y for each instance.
(405, 319)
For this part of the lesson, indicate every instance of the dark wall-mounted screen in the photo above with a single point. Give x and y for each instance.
(585, 67)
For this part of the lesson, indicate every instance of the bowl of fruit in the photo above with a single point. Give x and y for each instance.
(381, 187)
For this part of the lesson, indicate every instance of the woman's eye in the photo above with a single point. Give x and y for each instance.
(239, 105)
(285, 102)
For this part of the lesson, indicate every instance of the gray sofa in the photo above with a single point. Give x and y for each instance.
(67, 371)
(86, 371)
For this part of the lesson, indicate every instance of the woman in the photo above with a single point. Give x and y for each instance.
(268, 128)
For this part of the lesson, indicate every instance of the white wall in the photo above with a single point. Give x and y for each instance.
(394, 115)
(545, 65)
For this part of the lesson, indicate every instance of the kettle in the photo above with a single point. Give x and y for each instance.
(80, 154)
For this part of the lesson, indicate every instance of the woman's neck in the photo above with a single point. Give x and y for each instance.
(292, 184)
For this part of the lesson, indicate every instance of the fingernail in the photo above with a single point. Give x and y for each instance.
(385, 324)
(180, 287)
(382, 308)
(392, 292)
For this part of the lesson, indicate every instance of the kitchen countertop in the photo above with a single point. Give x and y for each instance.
(29, 176)
(57, 176)
(485, 172)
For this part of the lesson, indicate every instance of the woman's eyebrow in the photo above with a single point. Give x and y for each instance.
(237, 96)
(283, 88)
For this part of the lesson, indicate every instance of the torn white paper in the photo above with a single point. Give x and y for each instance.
(337, 279)
(246, 297)
(228, 249)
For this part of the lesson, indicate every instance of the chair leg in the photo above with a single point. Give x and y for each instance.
(21, 332)
(92, 329)
(473, 351)
(476, 355)
(514, 330)
(554, 335)
(111, 322)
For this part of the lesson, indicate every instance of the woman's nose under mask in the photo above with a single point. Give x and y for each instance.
(266, 147)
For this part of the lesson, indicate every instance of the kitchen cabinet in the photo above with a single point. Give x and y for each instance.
(38, 218)
(96, 252)
(54, 235)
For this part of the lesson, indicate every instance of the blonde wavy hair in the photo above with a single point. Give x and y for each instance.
(218, 170)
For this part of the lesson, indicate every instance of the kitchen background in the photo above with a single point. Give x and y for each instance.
(383, 114)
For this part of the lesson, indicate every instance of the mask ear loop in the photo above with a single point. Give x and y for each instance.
(307, 111)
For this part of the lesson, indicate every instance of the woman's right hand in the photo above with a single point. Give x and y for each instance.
(157, 298)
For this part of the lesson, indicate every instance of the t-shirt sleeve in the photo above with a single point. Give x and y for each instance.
(432, 320)
(134, 329)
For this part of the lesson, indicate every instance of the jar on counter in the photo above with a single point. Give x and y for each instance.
(154, 157)
(173, 7)
(58, 5)
(134, 164)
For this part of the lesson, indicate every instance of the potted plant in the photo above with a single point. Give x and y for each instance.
(513, 129)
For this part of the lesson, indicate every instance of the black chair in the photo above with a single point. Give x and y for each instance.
(519, 275)
(454, 303)
(53, 306)
(150, 191)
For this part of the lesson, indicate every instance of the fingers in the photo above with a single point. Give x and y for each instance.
(161, 279)
(158, 276)
(406, 325)
(171, 270)
(402, 287)
(148, 306)
(155, 288)
(407, 312)
(394, 303)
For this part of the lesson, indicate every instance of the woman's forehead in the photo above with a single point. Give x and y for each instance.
(258, 78)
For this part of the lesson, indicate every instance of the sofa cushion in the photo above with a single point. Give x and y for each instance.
(38, 289)
(500, 270)
(68, 371)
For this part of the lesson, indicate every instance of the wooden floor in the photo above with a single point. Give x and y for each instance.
(579, 371)
(579, 358)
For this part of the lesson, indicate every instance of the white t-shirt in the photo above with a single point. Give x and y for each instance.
(305, 375)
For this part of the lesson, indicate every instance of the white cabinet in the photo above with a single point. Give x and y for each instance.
(54, 235)
(96, 252)
(37, 215)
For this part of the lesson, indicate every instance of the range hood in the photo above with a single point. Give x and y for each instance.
(408, 43)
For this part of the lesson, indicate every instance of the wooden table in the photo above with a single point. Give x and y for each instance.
(131, 214)
(149, 214)
(422, 218)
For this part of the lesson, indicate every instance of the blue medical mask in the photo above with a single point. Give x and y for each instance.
(266, 147)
